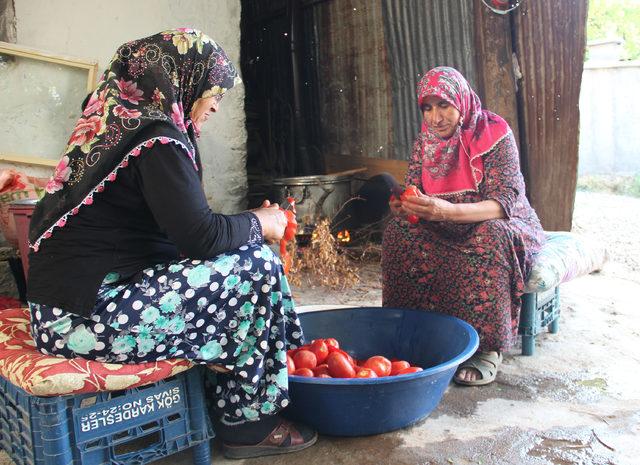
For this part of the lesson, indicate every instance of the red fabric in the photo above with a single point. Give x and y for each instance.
(455, 165)
(8, 302)
(45, 375)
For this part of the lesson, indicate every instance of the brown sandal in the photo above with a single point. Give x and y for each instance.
(273, 444)
(485, 363)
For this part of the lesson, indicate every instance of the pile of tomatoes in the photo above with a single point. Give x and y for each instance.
(323, 358)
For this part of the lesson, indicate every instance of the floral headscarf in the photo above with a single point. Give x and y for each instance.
(140, 100)
(454, 165)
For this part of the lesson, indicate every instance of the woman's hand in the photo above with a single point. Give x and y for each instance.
(428, 208)
(272, 220)
(395, 205)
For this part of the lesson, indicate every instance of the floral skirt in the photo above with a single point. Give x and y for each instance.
(234, 310)
(474, 272)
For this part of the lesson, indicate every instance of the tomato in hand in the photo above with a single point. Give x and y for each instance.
(320, 349)
(411, 191)
(291, 366)
(409, 370)
(306, 372)
(398, 365)
(305, 359)
(339, 366)
(292, 225)
(365, 373)
(381, 365)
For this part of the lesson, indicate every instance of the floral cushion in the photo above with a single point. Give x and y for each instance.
(45, 375)
(564, 256)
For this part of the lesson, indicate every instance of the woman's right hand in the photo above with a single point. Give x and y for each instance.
(395, 205)
(272, 221)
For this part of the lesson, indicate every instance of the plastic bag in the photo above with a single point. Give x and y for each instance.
(15, 185)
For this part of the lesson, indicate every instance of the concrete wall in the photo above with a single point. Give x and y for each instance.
(92, 29)
(7, 21)
(610, 119)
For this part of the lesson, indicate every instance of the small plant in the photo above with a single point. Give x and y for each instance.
(321, 262)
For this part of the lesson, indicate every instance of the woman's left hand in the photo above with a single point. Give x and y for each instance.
(428, 208)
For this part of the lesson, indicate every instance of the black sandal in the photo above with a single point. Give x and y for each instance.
(286, 437)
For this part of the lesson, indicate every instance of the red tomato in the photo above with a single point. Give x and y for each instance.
(350, 359)
(306, 372)
(378, 363)
(289, 233)
(321, 370)
(292, 225)
(406, 371)
(339, 366)
(320, 349)
(331, 342)
(398, 365)
(324, 376)
(291, 366)
(411, 191)
(366, 373)
(305, 359)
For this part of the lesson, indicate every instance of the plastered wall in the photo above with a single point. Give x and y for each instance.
(92, 29)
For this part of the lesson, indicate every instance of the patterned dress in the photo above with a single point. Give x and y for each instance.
(126, 197)
(475, 272)
(234, 310)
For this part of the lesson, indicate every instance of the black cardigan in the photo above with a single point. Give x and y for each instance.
(153, 213)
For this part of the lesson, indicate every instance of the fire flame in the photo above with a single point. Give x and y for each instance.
(344, 236)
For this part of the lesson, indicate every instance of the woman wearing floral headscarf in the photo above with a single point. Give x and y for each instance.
(108, 277)
(471, 249)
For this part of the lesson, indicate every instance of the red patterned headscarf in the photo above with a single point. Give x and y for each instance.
(454, 165)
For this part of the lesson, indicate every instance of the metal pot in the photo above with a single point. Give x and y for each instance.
(316, 197)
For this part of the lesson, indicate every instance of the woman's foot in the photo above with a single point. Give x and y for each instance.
(479, 370)
(286, 437)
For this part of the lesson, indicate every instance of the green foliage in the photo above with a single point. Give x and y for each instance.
(616, 18)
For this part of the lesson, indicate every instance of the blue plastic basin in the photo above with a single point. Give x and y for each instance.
(358, 407)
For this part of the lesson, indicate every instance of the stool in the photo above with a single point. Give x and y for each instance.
(563, 257)
(161, 411)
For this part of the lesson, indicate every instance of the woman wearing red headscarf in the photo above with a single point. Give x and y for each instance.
(471, 249)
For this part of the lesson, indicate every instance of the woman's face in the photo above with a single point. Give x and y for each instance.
(441, 117)
(202, 109)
